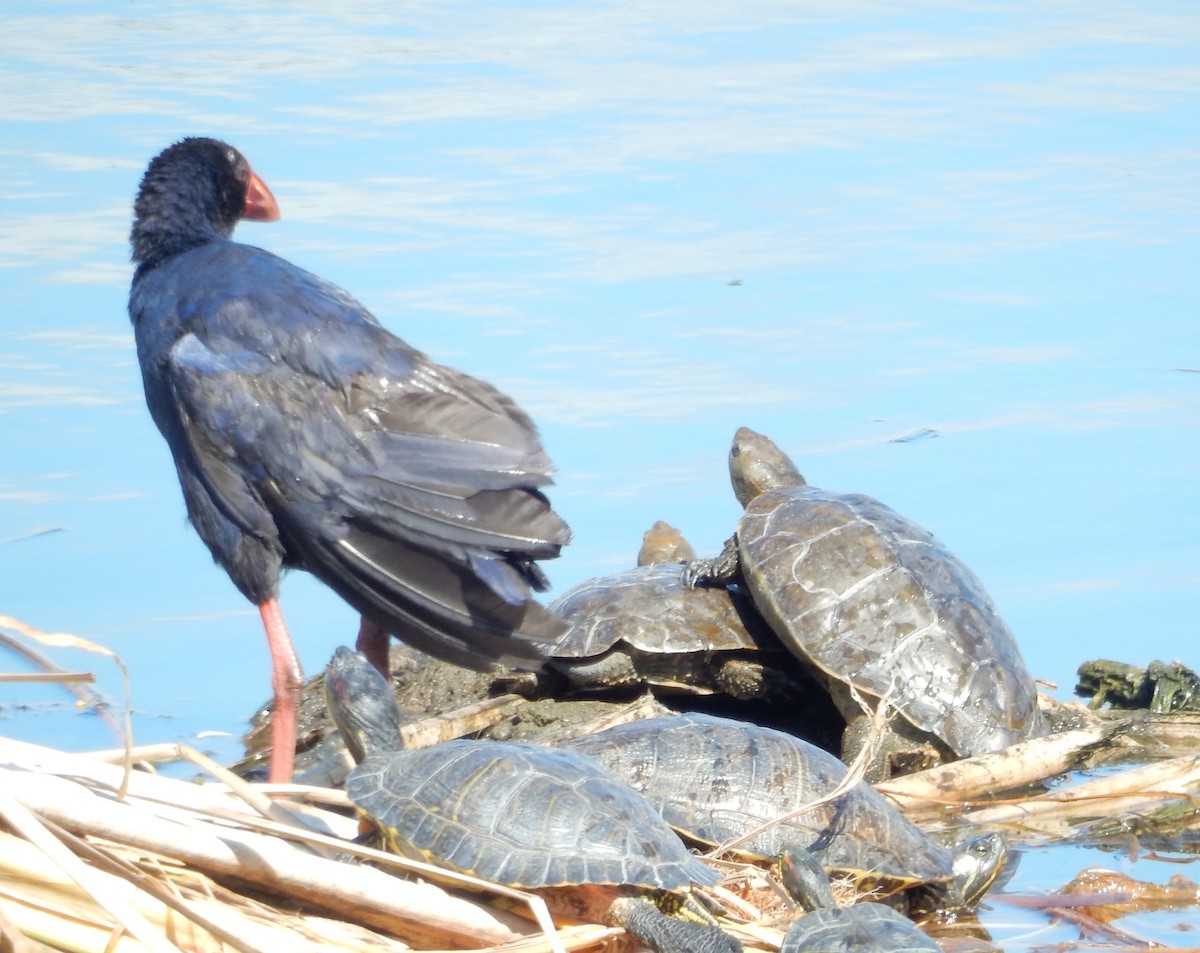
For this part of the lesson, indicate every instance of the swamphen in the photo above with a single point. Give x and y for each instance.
(307, 436)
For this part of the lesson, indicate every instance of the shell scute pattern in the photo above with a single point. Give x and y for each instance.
(646, 627)
(862, 928)
(875, 601)
(516, 820)
(650, 609)
(715, 779)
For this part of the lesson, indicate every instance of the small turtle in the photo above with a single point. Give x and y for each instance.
(1161, 687)
(663, 543)
(521, 815)
(868, 927)
(862, 928)
(644, 626)
(878, 607)
(715, 780)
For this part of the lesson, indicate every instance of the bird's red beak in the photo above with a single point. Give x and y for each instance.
(260, 203)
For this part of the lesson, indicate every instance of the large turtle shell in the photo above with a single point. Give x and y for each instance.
(715, 779)
(672, 635)
(522, 815)
(878, 603)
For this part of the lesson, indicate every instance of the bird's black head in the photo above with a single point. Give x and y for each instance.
(193, 192)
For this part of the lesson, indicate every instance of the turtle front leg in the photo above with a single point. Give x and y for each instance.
(724, 570)
(668, 935)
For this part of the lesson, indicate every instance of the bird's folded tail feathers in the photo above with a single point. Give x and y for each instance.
(474, 612)
(512, 520)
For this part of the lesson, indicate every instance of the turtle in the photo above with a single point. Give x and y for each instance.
(1160, 687)
(644, 626)
(663, 543)
(877, 606)
(824, 928)
(717, 779)
(861, 928)
(523, 815)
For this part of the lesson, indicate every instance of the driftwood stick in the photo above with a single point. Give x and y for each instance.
(1136, 789)
(644, 706)
(60, 676)
(427, 732)
(251, 794)
(955, 785)
(94, 769)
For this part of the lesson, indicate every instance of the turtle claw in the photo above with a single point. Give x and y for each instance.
(720, 571)
(697, 572)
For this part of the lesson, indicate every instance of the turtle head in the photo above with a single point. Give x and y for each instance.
(756, 465)
(804, 878)
(361, 704)
(663, 543)
(977, 865)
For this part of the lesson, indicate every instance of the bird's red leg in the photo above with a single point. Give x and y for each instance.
(286, 681)
(374, 643)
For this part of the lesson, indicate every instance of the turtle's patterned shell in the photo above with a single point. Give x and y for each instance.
(715, 779)
(862, 928)
(877, 602)
(650, 609)
(521, 815)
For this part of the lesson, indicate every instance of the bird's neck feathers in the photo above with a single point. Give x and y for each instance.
(176, 211)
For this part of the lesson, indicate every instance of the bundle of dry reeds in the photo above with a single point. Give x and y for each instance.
(180, 866)
(100, 853)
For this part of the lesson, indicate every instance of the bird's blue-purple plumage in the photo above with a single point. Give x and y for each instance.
(306, 435)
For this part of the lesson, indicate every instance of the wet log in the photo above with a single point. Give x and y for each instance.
(955, 787)
(1139, 790)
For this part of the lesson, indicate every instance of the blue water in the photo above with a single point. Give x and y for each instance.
(945, 255)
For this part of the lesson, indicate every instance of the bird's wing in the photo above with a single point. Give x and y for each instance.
(410, 488)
